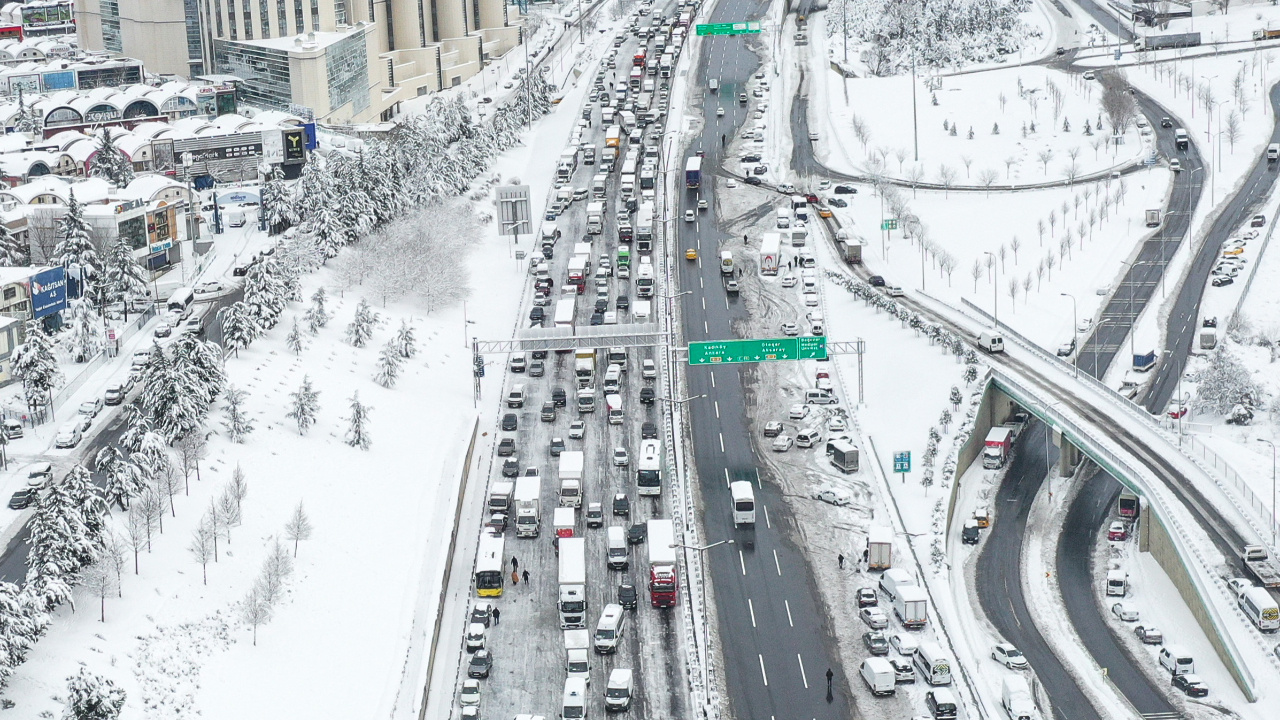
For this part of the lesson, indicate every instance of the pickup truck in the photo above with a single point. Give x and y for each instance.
(1259, 564)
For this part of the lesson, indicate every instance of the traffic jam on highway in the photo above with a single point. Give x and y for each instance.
(577, 561)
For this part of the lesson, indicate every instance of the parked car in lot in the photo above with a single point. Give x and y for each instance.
(68, 435)
(91, 407)
(1125, 612)
(1258, 221)
(874, 617)
(1191, 684)
(782, 443)
(115, 394)
(23, 498)
(1149, 634)
(875, 642)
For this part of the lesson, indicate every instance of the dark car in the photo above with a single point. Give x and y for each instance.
(837, 202)
(637, 533)
(649, 431)
(548, 252)
(480, 665)
(506, 447)
(750, 158)
(876, 281)
(1258, 221)
(867, 597)
(1221, 280)
(242, 270)
(602, 305)
(621, 504)
(538, 354)
(23, 498)
(597, 317)
(536, 314)
(875, 642)
(647, 395)
(482, 613)
(1060, 51)
(753, 180)
(1191, 684)
(557, 446)
(510, 422)
(510, 467)
(624, 302)
(970, 534)
(845, 190)
(759, 169)
(628, 597)
(1166, 122)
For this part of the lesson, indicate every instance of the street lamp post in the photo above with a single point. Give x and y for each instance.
(1273, 488)
(1075, 362)
(1097, 334)
(706, 632)
(995, 289)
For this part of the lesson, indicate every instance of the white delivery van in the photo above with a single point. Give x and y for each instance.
(893, 579)
(933, 664)
(614, 402)
(574, 704)
(1117, 583)
(1261, 608)
(1177, 660)
(616, 542)
(515, 398)
(991, 342)
(610, 628)
(726, 263)
(612, 378)
(617, 693)
(877, 673)
(1015, 696)
(744, 502)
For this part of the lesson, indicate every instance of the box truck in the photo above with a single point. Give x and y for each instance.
(573, 583)
(571, 463)
(1015, 696)
(911, 605)
(577, 661)
(500, 497)
(996, 448)
(879, 548)
(664, 580)
(770, 253)
(528, 506)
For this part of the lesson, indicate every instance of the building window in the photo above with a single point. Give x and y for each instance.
(422, 23)
(315, 15)
(231, 19)
(264, 15)
(265, 72)
(134, 232)
(391, 28)
(298, 23)
(340, 12)
(475, 12)
(191, 15)
(435, 23)
(348, 69)
(282, 18)
(217, 14)
(10, 293)
(108, 77)
(111, 39)
(248, 21)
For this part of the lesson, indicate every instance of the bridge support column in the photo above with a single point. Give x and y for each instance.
(1068, 455)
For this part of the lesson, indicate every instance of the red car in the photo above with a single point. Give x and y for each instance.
(1117, 531)
(811, 198)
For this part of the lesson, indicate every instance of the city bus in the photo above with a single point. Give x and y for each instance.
(490, 566)
(744, 502)
(649, 474)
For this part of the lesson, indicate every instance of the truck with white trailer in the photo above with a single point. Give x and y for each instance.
(573, 583)
(528, 497)
(664, 580)
(571, 464)
(770, 253)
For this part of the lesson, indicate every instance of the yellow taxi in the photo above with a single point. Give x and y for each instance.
(691, 254)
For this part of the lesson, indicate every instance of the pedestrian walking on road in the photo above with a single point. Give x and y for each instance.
(515, 564)
(526, 575)
(515, 578)
(497, 615)
(841, 558)
(830, 675)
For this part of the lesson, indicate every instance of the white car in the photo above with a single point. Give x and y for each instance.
(209, 288)
(798, 412)
(620, 457)
(788, 281)
(689, 216)
(836, 424)
(577, 429)
(1125, 612)
(91, 408)
(470, 694)
(790, 329)
(648, 370)
(1009, 656)
(874, 617)
(1238, 586)
(68, 435)
(811, 299)
(904, 644)
(1087, 323)
(782, 443)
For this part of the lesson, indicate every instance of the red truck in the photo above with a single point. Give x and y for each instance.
(664, 581)
(997, 447)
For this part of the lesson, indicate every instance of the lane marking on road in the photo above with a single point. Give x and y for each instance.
(717, 403)
(763, 674)
(803, 676)
(742, 561)
(726, 302)
(700, 282)
(752, 608)
(705, 330)
(777, 564)
(766, 517)
(790, 622)
(713, 379)
(722, 445)
(726, 477)
(758, 479)
(704, 302)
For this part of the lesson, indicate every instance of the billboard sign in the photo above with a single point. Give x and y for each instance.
(48, 291)
(295, 145)
(62, 80)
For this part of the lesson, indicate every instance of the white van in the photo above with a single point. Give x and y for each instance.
(616, 542)
(614, 402)
(515, 398)
(610, 628)
(1015, 697)
(814, 396)
(784, 217)
(816, 324)
(1117, 583)
(878, 674)
(1273, 152)
(1177, 660)
(893, 579)
(991, 342)
(726, 263)
(617, 693)
(744, 502)
(933, 664)
(574, 705)
(612, 378)
(809, 437)
(1258, 604)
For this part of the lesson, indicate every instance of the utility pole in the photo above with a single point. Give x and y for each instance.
(915, 126)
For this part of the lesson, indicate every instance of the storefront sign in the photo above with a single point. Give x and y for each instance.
(48, 292)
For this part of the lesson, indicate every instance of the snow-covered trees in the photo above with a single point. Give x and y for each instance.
(85, 330)
(278, 203)
(22, 620)
(388, 365)
(236, 418)
(1225, 383)
(358, 424)
(405, 341)
(36, 367)
(75, 250)
(265, 293)
(122, 276)
(110, 162)
(360, 330)
(66, 536)
(12, 252)
(239, 326)
(178, 388)
(92, 697)
(298, 528)
(418, 255)
(26, 120)
(304, 404)
(294, 339)
(123, 480)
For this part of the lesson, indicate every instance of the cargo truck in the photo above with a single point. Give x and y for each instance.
(577, 661)
(1015, 696)
(644, 277)
(1266, 34)
(1172, 40)
(500, 497)
(564, 311)
(996, 449)
(584, 367)
(1128, 505)
(693, 172)
(644, 228)
(879, 548)
(573, 583)
(563, 520)
(843, 454)
(1180, 138)
(664, 581)
(770, 253)
(528, 498)
(571, 463)
(595, 217)
(911, 605)
(1153, 218)
(1144, 361)
(1259, 564)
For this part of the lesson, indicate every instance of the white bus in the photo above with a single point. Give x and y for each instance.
(649, 474)
(1257, 603)
(744, 502)
(490, 566)
(181, 299)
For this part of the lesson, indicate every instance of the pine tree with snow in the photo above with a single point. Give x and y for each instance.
(304, 405)
(294, 340)
(358, 424)
(970, 374)
(12, 252)
(26, 121)
(278, 203)
(203, 360)
(360, 331)
(1225, 383)
(236, 420)
(956, 398)
(388, 365)
(298, 528)
(75, 251)
(123, 479)
(406, 343)
(265, 293)
(995, 128)
(1066, 125)
(21, 624)
(87, 499)
(92, 697)
(173, 395)
(970, 132)
(36, 367)
(62, 542)
(110, 162)
(136, 425)
(239, 326)
(945, 125)
(318, 315)
(122, 276)
(945, 419)
(85, 330)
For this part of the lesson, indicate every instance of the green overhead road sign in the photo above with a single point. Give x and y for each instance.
(889, 224)
(745, 351)
(738, 28)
